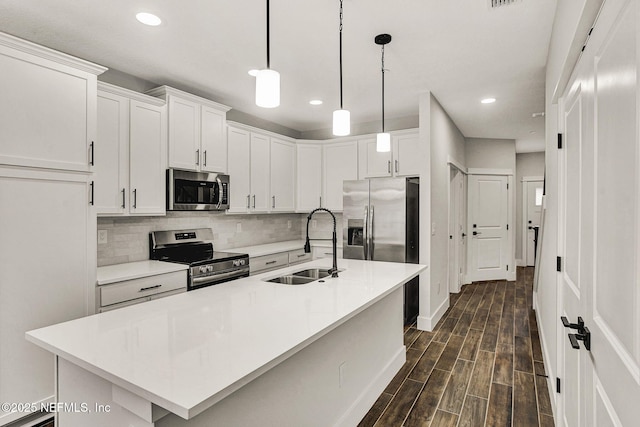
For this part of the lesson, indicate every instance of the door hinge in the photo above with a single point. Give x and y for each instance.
(557, 385)
(559, 141)
(558, 264)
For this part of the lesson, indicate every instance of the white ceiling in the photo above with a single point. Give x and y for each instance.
(461, 50)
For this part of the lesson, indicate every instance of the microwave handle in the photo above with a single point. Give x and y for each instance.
(220, 192)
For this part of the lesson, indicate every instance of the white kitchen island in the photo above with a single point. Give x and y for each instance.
(242, 353)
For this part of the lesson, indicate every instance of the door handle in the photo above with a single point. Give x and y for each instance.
(123, 201)
(254, 201)
(204, 154)
(135, 198)
(464, 235)
(396, 166)
(475, 233)
(365, 243)
(198, 157)
(371, 241)
(584, 334)
(389, 166)
(273, 202)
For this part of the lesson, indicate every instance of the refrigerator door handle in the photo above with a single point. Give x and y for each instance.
(365, 240)
(371, 242)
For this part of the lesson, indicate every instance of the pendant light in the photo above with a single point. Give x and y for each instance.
(341, 117)
(383, 139)
(268, 80)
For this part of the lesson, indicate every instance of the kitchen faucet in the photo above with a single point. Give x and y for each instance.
(307, 245)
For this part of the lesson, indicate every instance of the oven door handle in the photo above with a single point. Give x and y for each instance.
(214, 278)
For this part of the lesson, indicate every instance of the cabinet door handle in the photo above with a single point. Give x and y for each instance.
(149, 288)
(135, 198)
(254, 201)
(389, 166)
(198, 157)
(91, 151)
(92, 185)
(205, 157)
(320, 201)
(248, 201)
(273, 202)
(123, 205)
(301, 255)
(396, 166)
(270, 262)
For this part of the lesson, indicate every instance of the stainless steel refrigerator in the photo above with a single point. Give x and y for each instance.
(381, 222)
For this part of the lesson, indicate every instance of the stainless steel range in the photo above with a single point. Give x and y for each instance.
(195, 248)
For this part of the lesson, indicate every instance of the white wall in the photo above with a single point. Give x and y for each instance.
(445, 141)
(527, 164)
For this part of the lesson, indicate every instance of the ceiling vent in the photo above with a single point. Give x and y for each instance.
(498, 3)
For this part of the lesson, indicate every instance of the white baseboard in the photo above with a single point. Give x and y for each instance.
(551, 375)
(428, 323)
(520, 263)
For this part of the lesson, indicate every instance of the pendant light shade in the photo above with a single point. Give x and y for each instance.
(341, 117)
(341, 122)
(268, 80)
(383, 142)
(383, 139)
(268, 88)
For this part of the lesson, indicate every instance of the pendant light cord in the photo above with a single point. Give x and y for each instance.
(382, 88)
(268, 39)
(340, 54)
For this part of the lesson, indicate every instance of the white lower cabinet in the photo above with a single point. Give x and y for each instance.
(129, 292)
(130, 153)
(324, 252)
(263, 263)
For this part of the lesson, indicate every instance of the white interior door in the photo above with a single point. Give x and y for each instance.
(456, 229)
(600, 226)
(488, 217)
(534, 209)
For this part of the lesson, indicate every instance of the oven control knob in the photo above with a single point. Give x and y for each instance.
(203, 269)
(210, 268)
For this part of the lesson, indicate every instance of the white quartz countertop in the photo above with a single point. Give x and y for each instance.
(135, 270)
(186, 352)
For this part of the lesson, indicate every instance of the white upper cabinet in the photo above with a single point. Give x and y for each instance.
(130, 153)
(259, 162)
(47, 117)
(406, 152)
(283, 175)
(197, 139)
(371, 163)
(239, 155)
(402, 160)
(340, 163)
(308, 177)
(261, 171)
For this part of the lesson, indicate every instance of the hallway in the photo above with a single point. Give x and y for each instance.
(481, 366)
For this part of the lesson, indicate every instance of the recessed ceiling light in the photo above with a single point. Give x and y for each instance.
(315, 102)
(148, 19)
(253, 73)
(488, 100)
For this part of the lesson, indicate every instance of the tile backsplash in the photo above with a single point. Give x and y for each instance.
(128, 237)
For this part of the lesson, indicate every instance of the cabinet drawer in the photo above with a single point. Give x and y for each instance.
(323, 252)
(143, 287)
(298, 255)
(268, 262)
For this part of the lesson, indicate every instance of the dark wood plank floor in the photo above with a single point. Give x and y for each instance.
(481, 366)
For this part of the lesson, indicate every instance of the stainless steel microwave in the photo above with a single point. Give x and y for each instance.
(197, 191)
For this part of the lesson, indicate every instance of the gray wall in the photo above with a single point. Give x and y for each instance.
(446, 141)
(491, 153)
(527, 164)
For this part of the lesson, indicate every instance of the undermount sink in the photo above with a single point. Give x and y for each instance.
(291, 280)
(303, 276)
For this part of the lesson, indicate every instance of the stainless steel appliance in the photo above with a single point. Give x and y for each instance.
(195, 248)
(195, 191)
(381, 223)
